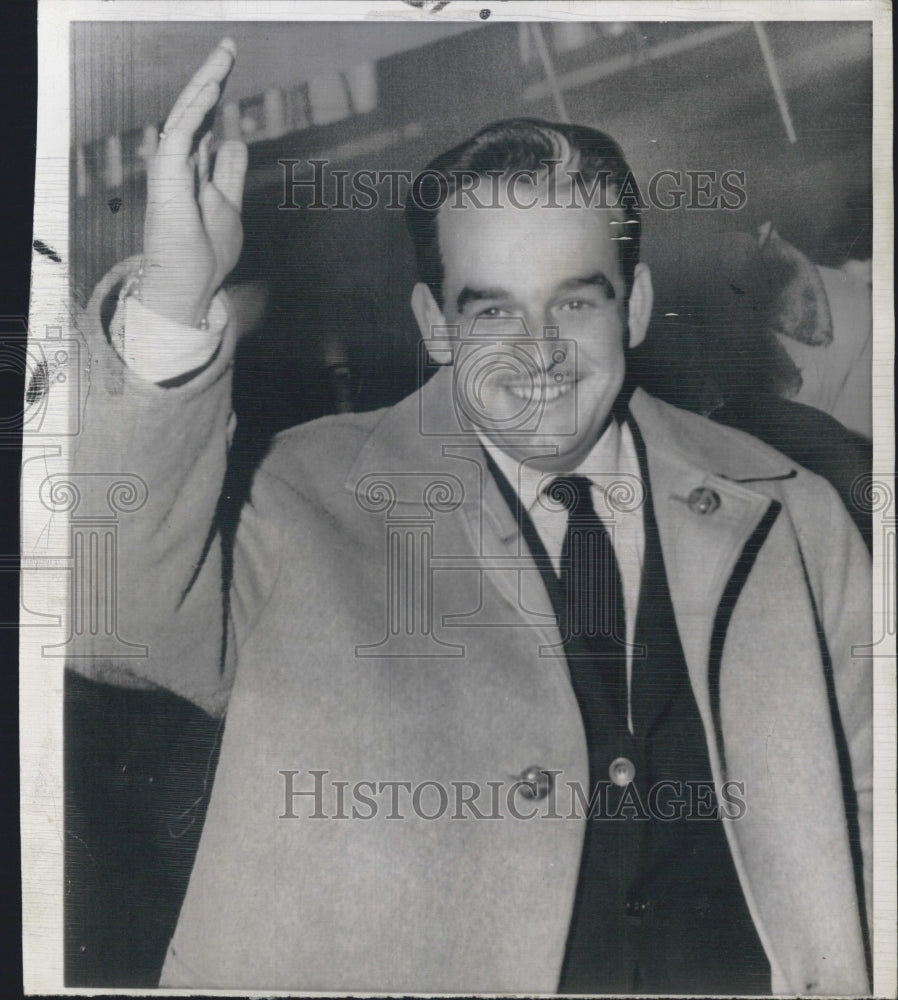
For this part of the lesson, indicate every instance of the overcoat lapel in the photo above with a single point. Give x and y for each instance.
(508, 561)
(701, 548)
(484, 532)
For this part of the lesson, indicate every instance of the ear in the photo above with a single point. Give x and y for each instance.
(642, 295)
(435, 333)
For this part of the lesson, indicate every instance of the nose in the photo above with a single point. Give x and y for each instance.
(554, 356)
(543, 339)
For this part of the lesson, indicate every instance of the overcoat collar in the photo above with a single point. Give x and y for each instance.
(410, 435)
(422, 440)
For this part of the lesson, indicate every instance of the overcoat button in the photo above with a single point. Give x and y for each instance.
(622, 771)
(636, 909)
(703, 501)
(536, 783)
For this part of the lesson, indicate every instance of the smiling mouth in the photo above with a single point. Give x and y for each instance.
(540, 391)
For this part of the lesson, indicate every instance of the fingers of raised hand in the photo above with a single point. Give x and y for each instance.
(196, 100)
(230, 171)
(221, 222)
(202, 159)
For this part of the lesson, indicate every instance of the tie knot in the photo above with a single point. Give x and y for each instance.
(573, 493)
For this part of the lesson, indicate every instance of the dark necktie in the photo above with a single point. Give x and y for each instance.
(598, 956)
(594, 624)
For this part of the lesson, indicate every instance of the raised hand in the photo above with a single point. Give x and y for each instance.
(192, 232)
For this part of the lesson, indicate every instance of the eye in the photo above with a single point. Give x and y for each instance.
(493, 312)
(575, 305)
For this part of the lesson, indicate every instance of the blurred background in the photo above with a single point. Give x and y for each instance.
(787, 104)
(762, 316)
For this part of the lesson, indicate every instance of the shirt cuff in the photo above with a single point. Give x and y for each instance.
(158, 349)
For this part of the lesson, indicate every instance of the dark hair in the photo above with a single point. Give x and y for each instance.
(519, 144)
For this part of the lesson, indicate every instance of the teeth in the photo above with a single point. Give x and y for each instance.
(540, 393)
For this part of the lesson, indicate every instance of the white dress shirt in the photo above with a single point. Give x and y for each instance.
(158, 349)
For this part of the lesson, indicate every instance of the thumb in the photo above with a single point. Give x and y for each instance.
(230, 171)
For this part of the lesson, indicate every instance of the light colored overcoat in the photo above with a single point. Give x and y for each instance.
(349, 670)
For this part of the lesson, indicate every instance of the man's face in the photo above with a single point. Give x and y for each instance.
(510, 275)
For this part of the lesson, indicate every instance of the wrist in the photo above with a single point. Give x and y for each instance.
(182, 308)
(157, 349)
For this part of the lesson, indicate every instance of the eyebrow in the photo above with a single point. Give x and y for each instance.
(599, 280)
(469, 294)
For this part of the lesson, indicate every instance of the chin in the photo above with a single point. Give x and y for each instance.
(561, 454)
(567, 458)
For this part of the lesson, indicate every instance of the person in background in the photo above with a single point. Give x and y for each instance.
(837, 377)
(782, 350)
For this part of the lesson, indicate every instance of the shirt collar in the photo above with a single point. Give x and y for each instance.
(613, 453)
